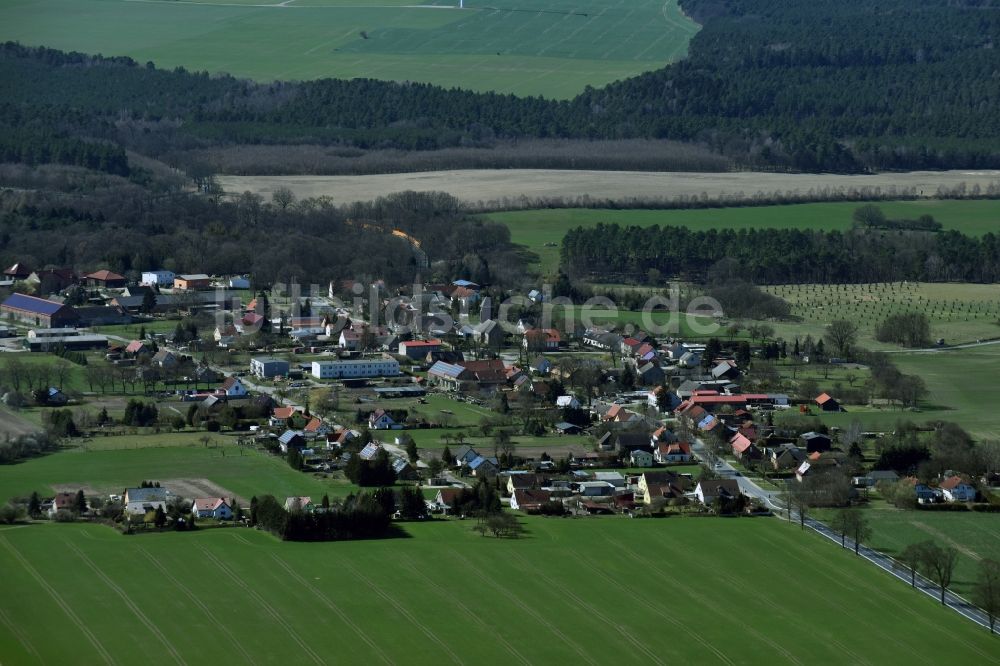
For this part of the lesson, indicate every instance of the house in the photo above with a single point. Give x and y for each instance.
(523, 482)
(158, 278)
(165, 359)
(828, 404)
(303, 504)
(725, 370)
(741, 445)
(529, 499)
(653, 399)
(140, 501)
(417, 349)
(662, 485)
(212, 507)
(52, 280)
(672, 452)
(192, 282)
(814, 441)
(225, 335)
(55, 397)
(266, 367)
(650, 373)
(349, 340)
(482, 375)
(446, 498)
(874, 478)
(618, 414)
(956, 489)
(787, 457)
(488, 333)
(640, 458)
(924, 493)
(233, 388)
(403, 469)
(568, 401)
(484, 466)
(64, 502)
(465, 455)
(709, 490)
(18, 272)
(547, 339)
(105, 279)
(626, 442)
(802, 470)
(690, 359)
(291, 439)
(381, 420)
(38, 312)
(137, 348)
(316, 428)
(541, 365)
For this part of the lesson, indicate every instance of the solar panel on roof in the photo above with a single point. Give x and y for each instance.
(32, 304)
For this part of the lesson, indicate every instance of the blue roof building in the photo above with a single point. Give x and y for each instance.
(38, 311)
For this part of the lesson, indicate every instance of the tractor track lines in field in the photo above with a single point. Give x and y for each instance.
(70, 613)
(263, 603)
(344, 617)
(811, 564)
(451, 598)
(19, 634)
(655, 608)
(405, 613)
(714, 606)
(124, 596)
(623, 630)
(199, 603)
(513, 598)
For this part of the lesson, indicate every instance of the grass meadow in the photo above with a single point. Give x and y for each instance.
(553, 48)
(107, 465)
(974, 535)
(588, 590)
(541, 231)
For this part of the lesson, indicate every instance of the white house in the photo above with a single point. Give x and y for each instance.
(672, 452)
(957, 490)
(140, 501)
(233, 388)
(158, 278)
(381, 420)
(708, 491)
(568, 401)
(212, 507)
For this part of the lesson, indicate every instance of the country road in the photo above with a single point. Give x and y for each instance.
(771, 499)
(486, 185)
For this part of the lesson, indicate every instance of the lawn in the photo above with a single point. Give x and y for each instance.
(974, 535)
(596, 591)
(541, 231)
(107, 469)
(553, 48)
(960, 388)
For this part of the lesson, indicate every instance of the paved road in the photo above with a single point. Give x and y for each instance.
(772, 500)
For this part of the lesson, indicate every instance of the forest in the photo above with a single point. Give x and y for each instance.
(825, 85)
(780, 256)
(128, 228)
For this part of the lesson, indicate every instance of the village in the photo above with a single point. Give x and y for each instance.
(578, 421)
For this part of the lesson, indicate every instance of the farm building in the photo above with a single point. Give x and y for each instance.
(38, 311)
(158, 278)
(46, 339)
(192, 282)
(828, 403)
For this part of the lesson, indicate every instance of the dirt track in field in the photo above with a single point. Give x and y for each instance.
(13, 424)
(485, 185)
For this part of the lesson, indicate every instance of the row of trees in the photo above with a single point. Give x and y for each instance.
(780, 256)
(365, 515)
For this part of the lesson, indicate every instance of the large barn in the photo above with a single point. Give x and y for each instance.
(38, 311)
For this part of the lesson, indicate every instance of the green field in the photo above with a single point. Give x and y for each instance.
(535, 228)
(107, 469)
(974, 535)
(596, 591)
(553, 48)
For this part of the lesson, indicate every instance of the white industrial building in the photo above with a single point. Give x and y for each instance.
(355, 368)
